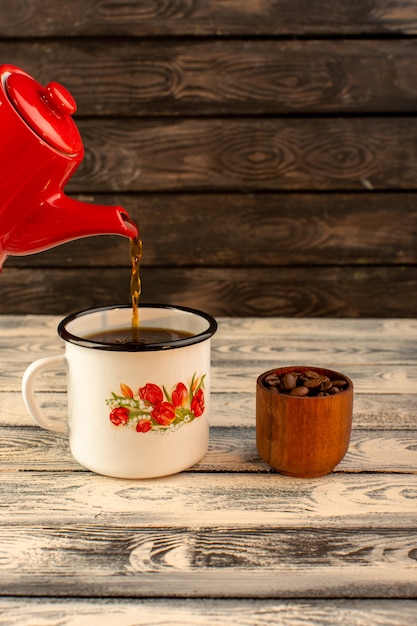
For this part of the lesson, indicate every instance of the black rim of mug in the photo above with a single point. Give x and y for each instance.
(132, 347)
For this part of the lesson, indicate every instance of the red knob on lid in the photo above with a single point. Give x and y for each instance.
(59, 99)
(46, 110)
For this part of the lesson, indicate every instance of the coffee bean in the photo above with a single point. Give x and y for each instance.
(314, 383)
(289, 381)
(327, 385)
(311, 374)
(272, 380)
(299, 391)
(339, 383)
(307, 384)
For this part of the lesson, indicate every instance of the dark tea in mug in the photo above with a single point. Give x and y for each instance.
(147, 335)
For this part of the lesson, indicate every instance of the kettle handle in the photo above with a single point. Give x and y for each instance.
(29, 397)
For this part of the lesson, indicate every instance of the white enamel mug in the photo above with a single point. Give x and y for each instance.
(133, 411)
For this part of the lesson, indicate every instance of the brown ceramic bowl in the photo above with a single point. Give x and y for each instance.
(303, 436)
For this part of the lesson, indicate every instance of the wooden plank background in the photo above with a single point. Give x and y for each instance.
(228, 541)
(266, 150)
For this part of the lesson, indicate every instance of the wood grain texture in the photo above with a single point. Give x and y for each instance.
(289, 117)
(141, 562)
(266, 291)
(205, 612)
(246, 347)
(267, 152)
(218, 77)
(388, 411)
(232, 449)
(228, 538)
(234, 230)
(333, 153)
(20, 328)
(339, 500)
(231, 377)
(206, 17)
(251, 334)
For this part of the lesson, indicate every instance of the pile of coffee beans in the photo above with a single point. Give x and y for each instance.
(303, 384)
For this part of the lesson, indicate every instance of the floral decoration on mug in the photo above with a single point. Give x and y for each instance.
(154, 408)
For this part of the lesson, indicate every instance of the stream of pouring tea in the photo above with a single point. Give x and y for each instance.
(135, 285)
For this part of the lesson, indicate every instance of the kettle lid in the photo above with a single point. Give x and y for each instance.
(47, 110)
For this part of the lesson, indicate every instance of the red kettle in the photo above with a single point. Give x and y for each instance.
(41, 150)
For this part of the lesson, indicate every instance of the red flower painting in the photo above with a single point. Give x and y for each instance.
(153, 407)
(164, 413)
(197, 403)
(119, 415)
(151, 393)
(180, 395)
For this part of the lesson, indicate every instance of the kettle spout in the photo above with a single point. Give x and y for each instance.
(60, 219)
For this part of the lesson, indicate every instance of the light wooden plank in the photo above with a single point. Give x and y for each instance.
(237, 376)
(206, 612)
(31, 325)
(340, 328)
(267, 340)
(236, 364)
(289, 345)
(28, 325)
(228, 527)
(230, 449)
(191, 499)
(140, 562)
(22, 329)
(371, 411)
(309, 346)
(13, 411)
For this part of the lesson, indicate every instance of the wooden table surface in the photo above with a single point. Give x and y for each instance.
(229, 541)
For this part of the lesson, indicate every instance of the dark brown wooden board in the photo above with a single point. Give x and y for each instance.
(333, 153)
(267, 151)
(288, 291)
(48, 18)
(251, 229)
(133, 77)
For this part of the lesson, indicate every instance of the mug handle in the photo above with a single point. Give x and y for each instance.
(28, 392)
